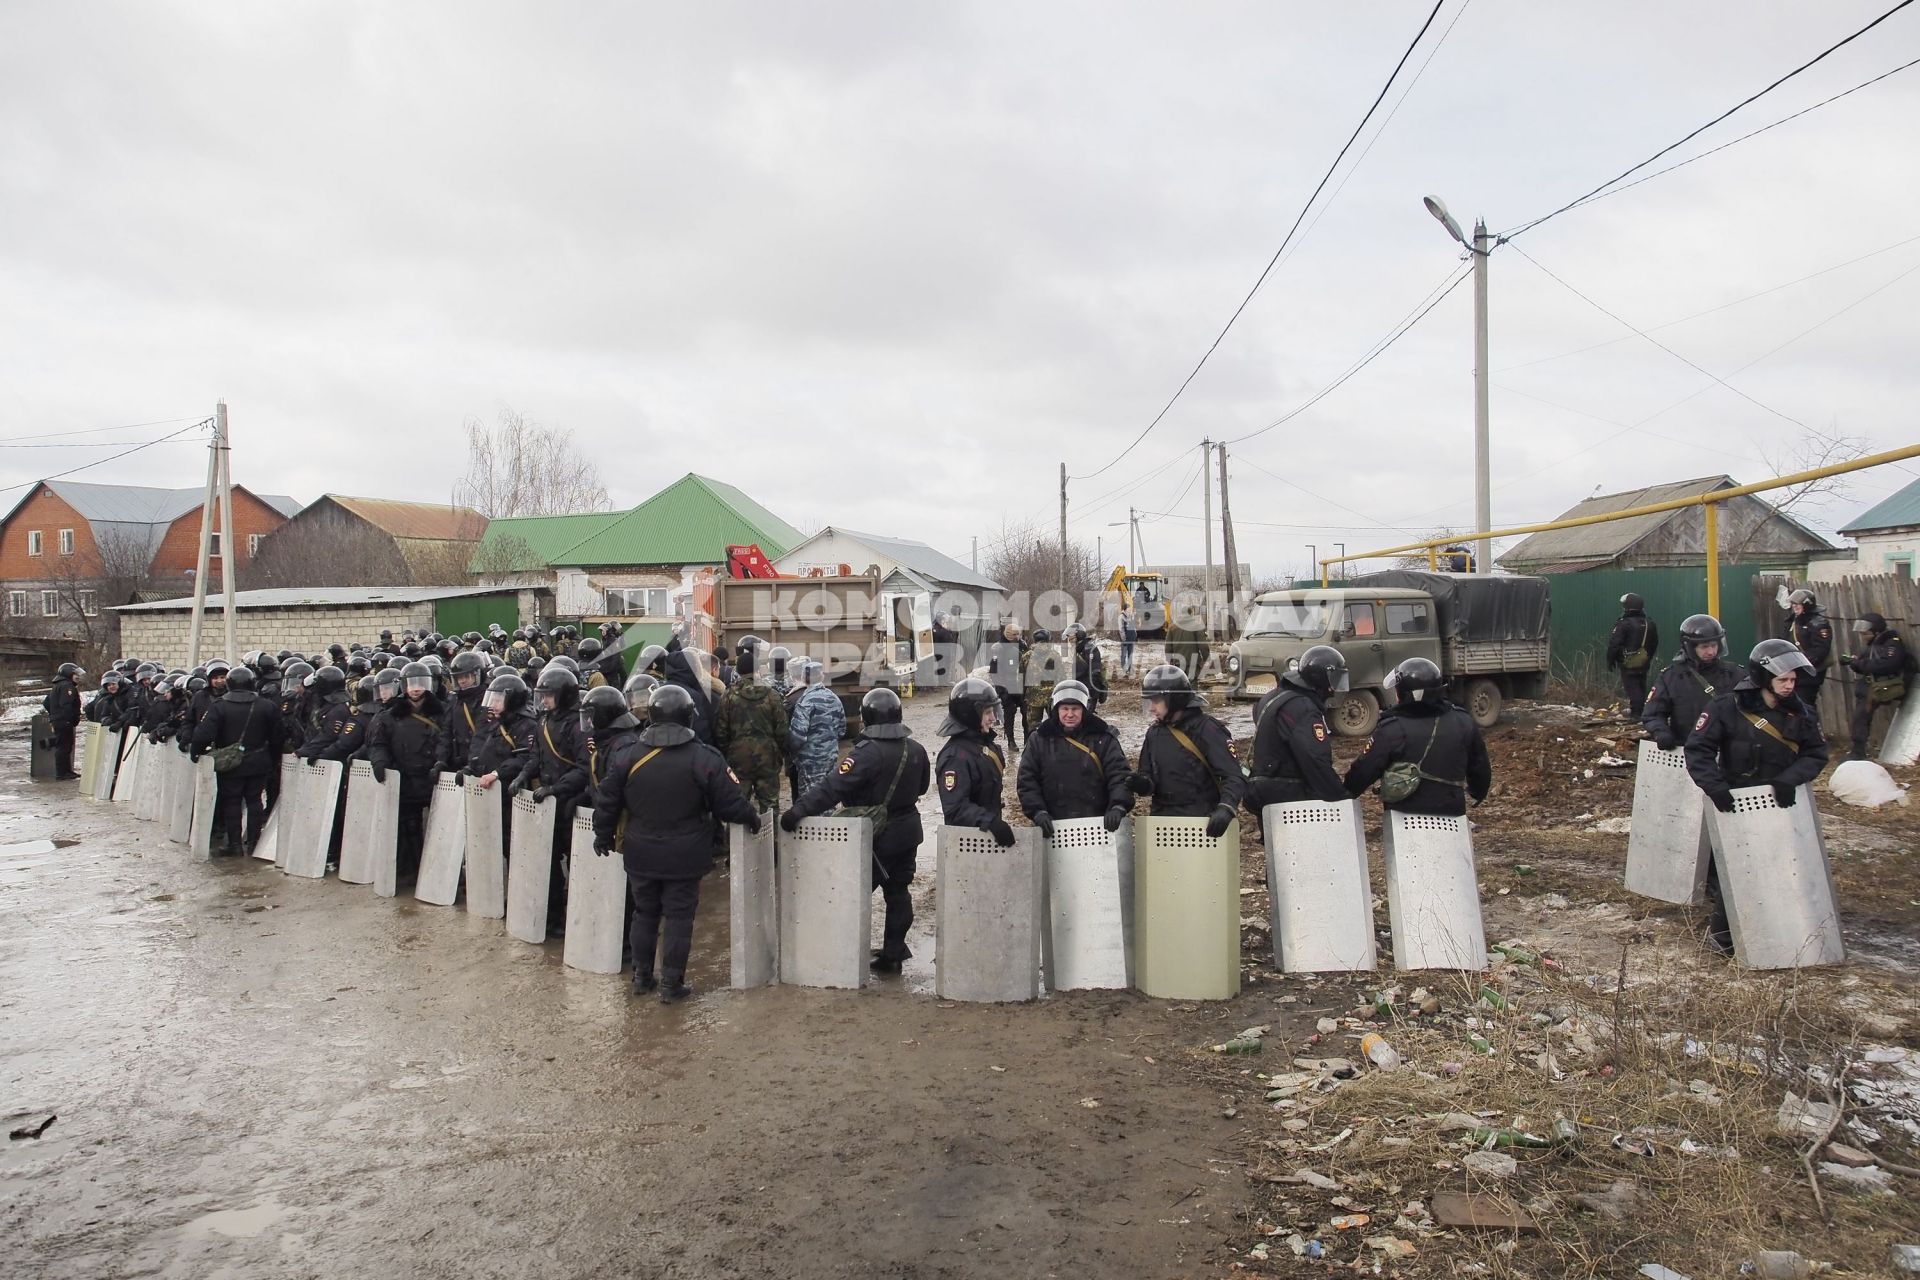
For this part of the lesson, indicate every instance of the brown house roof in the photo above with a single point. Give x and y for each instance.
(424, 520)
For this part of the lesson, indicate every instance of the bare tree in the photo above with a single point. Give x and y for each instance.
(112, 570)
(1418, 560)
(1812, 451)
(1026, 558)
(520, 468)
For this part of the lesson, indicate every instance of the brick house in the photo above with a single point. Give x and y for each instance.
(71, 551)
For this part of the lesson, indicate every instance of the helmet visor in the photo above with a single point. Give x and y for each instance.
(419, 684)
(1786, 664)
(495, 700)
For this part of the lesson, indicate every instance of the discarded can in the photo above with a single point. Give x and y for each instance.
(1378, 1051)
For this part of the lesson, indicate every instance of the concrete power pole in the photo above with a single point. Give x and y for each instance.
(207, 500)
(228, 554)
(1063, 526)
(1226, 538)
(1482, 480)
(1206, 531)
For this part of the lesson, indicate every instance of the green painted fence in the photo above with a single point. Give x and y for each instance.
(1585, 606)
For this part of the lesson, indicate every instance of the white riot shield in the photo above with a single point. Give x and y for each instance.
(372, 827)
(89, 752)
(204, 790)
(826, 916)
(444, 850)
(288, 808)
(180, 803)
(318, 786)
(149, 800)
(1317, 882)
(988, 921)
(596, 901)
(1186, 909)
(486, 852)
(1088, 942)
(530, 874)
(1778, 888)
(128, 778)
(1667, 847)
(1433, 895)
(113, 746)
(1902, 744)
(753, 906)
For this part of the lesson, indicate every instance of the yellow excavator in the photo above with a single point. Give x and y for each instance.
(1145, 594)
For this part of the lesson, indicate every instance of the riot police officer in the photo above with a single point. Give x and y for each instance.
(884, 776)
(658, 801)
(1760, 733)
(1811, 633)
(1186, 761)
(1883, 667)
(405, 737)
(62, 705)
(1073, 766)
(327, 690)
(1089, 668)
(1630, 649)
(1292, 745)
(240, 718)
(1692, 680)
(971, 766)
(1438, 738)
(463, 714)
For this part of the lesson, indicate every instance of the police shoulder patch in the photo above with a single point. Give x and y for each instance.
(949, 780)
(1319, 733)
(846, 766)
(1701, 723)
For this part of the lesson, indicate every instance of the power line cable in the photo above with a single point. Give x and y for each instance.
(1744, 102)
(1274, 260)
(93, 431)
(28, 484)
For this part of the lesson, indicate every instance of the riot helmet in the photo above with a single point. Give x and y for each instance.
(388, 684)
(328, 681)
(467, 669)
(559, 688)
(1168, 685)
(1632, 603)
(1772, 659)
(1804, 599)
(419, 680)
(639, 691)
(240, 679)
(968, 706)
(1416, 681)
(506, 694)
(603, 709)
(671, 705)
(1322, 669)
(1702, 629)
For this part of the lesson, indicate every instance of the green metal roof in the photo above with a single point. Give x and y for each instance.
(534, 541)
(1902, 509)
(691, 521)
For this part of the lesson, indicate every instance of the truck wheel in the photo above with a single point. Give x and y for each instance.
(1354, 714)
(1483, 702)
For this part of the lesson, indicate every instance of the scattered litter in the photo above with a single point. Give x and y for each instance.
(1780, 1264)
(1688, 1147)
(1491, 1164)
(1003, 1070)
(1312, 1179)
(1804, 1118)
(1237, 1045)
(1874, 1179)
(1334, 1141)
(1348, 1221)
(1391, 1246)
(1632, 1146)
(1374, 1047)
(1090, 1104)
(1865, 784)
(1326, 1026)
(1906, 1259)
(1608, 760)
(1483, 1212)
(1654, 1271)
(1616, 1203)
(33, 1130)
(1338, 1068)
(1613, 826)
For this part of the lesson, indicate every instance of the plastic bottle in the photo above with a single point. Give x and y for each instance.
(1378, 1051)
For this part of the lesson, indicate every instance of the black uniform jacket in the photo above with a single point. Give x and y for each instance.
(243, 716)
(406, 737)
(1812, 634)
(62, 704)
(501, 745)
(458, 724)
(1458, 757)
(658, 797)
(1091, 670)
(1633, 631)
(330, 718)
(972, 772)
(1885, 655)
(1077, 774)
(862, 778)
(350, 741)
(1739, 741)
(1292, 752)
(559, 757)
(1191, 783)
(1681, 693)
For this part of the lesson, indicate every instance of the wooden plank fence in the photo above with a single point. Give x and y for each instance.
(1893, 597)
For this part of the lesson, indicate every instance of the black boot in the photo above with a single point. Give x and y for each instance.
(644, 981)
(884, 964)
(673, 988)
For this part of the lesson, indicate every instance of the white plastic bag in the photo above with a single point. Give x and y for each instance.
(1864, 783)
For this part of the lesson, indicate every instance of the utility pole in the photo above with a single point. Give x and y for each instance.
(1133, 536)
(976, 553)
(1226, 538)
(1482, 483)
(1206, 531)
(227, 553)
(207, 499)
(1063, 526)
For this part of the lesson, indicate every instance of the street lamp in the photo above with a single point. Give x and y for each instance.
(1313, 560)
(1480, 247)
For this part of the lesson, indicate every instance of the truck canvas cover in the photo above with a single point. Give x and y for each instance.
(1476, 607)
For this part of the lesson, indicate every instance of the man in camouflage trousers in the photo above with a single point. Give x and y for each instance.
(1040, 672)
(750, 729)
(815, 729)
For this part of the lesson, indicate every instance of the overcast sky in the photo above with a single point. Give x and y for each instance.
(887, 265)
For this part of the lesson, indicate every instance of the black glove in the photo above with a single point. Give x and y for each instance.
(1115, 816)
(790, 820)
(1044, 821)
(603, 845)
(1219, 821)
(1002, 833)
(541, 793)
(459, 777)
(752, 825)
(1140, 784)
(1785, 797)
(379, 773)
(1722, 800)
(194, 756)
(515, 787)
(1664, 741)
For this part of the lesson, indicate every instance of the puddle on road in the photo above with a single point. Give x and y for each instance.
(31, 848)
(236, 1223)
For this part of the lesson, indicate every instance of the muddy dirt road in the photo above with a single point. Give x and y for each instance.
(259, 1076)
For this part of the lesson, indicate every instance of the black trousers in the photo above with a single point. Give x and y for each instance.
(1863, 719)
(893, 878)
(234, 794)
(412, 838)
(1012, 705)
(655, 900)
(1634, 685)
(63, 749)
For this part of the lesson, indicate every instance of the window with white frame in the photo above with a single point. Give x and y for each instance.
(49, 604)
(66, 542)
(213, 545)
(638, 602)
(89, 603)
(36, 542)
(16, 604)
(253, 544)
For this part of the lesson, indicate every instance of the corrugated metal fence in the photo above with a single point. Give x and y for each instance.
(1586, 605)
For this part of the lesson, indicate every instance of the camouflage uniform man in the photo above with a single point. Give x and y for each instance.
(750, 728)
(814, 731)
(1040, 672)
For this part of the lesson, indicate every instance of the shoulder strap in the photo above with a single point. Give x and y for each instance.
(546, 733)
(1080, 746)
(1180, 736)
(639, 764)
(467, 711)
(1767, 727)
(506, 737)
(993, 758)
(899, 769)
